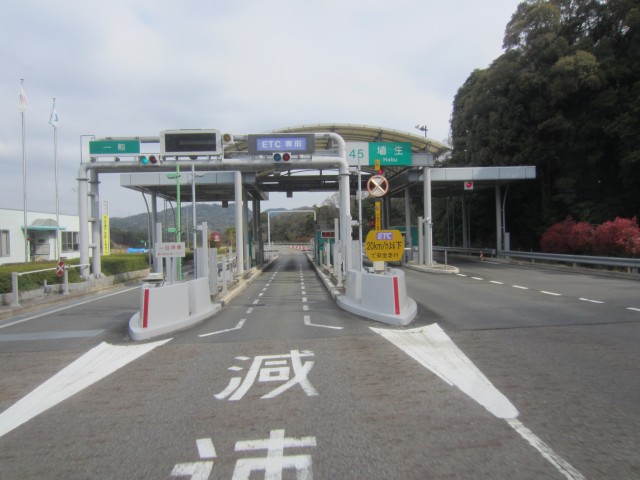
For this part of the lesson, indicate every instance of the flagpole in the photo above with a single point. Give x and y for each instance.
(54, 123)
(23, 107)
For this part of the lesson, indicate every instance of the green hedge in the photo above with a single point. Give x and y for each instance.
(124, 262)
(110, 265)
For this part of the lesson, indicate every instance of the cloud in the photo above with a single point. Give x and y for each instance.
(136, 67)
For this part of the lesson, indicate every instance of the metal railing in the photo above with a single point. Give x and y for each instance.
(632, 264)
(15, 294)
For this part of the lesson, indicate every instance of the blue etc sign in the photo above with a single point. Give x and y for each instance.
(267, 144)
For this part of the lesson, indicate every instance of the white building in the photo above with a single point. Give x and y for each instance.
(41, 236)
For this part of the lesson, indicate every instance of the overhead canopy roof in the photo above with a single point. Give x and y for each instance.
(367, 133)
(284, 178)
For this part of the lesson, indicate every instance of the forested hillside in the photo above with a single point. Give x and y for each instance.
(565, 97)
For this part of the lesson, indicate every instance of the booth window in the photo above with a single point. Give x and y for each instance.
(69, 241)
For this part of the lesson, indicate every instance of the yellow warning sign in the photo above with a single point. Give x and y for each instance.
(384, 245)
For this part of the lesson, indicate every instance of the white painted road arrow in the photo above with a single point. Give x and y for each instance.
(432, 348)
(94, 365)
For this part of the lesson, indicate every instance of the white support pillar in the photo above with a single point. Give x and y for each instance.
(245, 229)
(257, 232)
(428, 218)
(154, 231)
(83, 214)
(408, 243)
(345, 205)
(96, 238)
(157, 261)
(239, 221)
(336, 251)
(420, 241)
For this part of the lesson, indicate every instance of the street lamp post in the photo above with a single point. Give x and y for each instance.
(422, 128)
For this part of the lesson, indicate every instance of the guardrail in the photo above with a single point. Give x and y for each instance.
(632, 264)
(15, 301)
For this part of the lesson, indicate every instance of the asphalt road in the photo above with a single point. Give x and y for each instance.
(283, 381)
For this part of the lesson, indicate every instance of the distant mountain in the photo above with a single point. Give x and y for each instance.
(218, 218)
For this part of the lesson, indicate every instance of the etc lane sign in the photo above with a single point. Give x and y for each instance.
(294, 143)
(384, 245)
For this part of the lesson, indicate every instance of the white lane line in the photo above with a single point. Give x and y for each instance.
(307, 321)
(66, 307)
(305, 308)
(260, 294)
(304, 299)
(17, 337)
(495, 282)
(564, 467)
(249, 310)
(237, 327)
(520, 287)
(255, 302)
(551, 293)
(477, 278)
(460, 274)
(432, 348)
(590, 301)
(94, 365)
(634, 309)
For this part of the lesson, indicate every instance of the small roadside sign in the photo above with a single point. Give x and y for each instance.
(384, 245)
(60, 268)
(170, 249)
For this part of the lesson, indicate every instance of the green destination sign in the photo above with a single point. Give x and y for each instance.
(114, 147)
(390, 153)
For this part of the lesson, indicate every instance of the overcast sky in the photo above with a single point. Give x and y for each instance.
(136, 67)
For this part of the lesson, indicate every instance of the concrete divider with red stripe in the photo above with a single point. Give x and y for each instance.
(167, 308)
(379, 296)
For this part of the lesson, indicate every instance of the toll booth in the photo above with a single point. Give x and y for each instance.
(414, 240)
(324, 237)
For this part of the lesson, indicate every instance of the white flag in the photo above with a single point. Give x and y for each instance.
(53, 120)
(22, 105)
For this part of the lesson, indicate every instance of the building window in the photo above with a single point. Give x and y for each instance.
(4, 243)
(69, 241)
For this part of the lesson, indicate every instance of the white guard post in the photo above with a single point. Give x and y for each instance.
(167, 308)
(382, 297)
